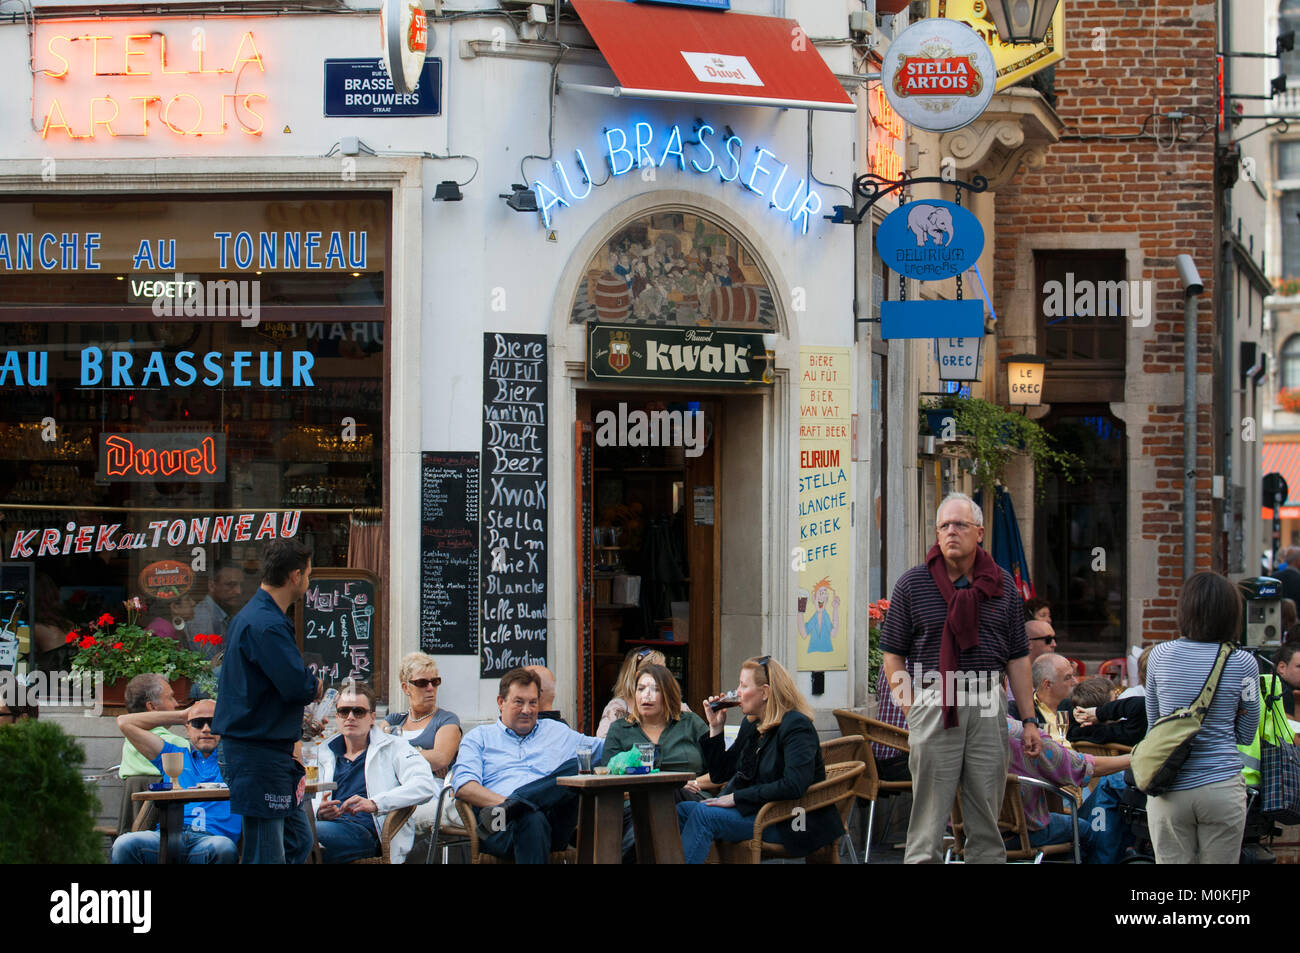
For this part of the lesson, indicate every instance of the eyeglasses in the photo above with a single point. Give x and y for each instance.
(349, 712)
(957, 525)
(426, 682)
(198, 724)
(1043, 638)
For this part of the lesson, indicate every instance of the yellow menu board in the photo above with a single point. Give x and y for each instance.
(825, 495)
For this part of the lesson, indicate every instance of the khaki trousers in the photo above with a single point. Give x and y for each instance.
(974, 754)
(1200, 825)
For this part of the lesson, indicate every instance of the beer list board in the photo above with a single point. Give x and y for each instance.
(338, 622)
(449, 554)
(514, 488)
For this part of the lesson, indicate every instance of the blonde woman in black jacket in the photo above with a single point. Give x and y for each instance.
(776, 757)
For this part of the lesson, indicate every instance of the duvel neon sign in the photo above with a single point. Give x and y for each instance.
(106, 83)
(702, 151)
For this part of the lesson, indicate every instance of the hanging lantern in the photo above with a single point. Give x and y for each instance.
(960, 359)
(1025, 374)
(1022, 21)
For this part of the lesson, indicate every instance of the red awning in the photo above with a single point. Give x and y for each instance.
(1283, 456)
(660, 52)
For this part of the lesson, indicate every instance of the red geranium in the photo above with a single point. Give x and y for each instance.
(87, 642)
(105, 620)
(72, 637)
(117, 645)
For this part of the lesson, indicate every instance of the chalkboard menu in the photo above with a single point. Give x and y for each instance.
(339, 625)
(514, 488)
(449, 500)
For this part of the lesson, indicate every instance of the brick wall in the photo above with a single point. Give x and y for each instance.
(1155, 58)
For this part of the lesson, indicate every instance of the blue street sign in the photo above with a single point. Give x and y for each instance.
(931, 319)
(705, 4)
(362, 87)
(930, 240)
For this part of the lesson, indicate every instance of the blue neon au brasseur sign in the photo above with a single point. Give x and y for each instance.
(703, 4)
(698, 150)
(930, 240)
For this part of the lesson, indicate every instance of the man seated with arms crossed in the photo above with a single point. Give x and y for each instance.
(376, 773)
(211, 831)
(508, 769)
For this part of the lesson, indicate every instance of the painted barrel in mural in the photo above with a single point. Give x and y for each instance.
(611, 296)
(737, 304)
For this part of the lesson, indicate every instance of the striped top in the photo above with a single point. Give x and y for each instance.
(914, 625)
(1176, 672)
(889, 713)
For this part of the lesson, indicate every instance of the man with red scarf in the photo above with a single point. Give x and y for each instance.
(959, 620)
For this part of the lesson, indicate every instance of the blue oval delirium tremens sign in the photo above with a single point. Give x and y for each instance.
(930, 240)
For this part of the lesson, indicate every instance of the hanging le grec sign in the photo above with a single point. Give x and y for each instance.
(930, 240)
(939, 75)
(404, 30)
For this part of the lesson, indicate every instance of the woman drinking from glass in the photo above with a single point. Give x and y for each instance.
(775, 757)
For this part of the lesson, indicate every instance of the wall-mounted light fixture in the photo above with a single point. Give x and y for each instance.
(1025, 375)
(447, 191)
(522, 199)
(1022, 21)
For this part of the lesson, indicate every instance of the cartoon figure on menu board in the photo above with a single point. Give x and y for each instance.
(820, 629)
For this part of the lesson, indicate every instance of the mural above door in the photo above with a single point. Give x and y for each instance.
(679, 269)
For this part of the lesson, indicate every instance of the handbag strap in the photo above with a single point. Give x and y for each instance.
(1270, 694)
(1206, 696)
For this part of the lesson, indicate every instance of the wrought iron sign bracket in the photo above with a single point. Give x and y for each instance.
(873, 188)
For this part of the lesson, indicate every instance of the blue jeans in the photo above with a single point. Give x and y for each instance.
(141, 847)
(278, 840)
(346, 841)
(547, 825)
(1057, 831)
(702, 824)
(1110, 836)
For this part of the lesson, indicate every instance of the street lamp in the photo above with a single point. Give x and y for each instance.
(1025, 373)
(1022, 21)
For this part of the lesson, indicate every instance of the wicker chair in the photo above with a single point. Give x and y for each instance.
(838, 789)
(395, 821)
(871, 786)
(476, 854)
(444, 835)
(1012, 821)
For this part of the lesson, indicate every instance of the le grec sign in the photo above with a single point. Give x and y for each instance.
(618, 352)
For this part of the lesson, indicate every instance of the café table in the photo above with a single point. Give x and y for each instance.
(654, 816)
(171, 811)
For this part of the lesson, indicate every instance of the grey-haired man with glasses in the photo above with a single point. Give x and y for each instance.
(958, 619)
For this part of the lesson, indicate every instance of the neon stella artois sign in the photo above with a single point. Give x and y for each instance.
(939, 75)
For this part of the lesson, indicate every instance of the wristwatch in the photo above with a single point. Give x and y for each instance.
(1032, 720)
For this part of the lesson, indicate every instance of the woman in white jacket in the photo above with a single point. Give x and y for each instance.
(375, 773)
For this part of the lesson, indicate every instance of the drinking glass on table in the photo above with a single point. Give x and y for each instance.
(584, 759)
(173, 763)
(311, 761)
(647, 752)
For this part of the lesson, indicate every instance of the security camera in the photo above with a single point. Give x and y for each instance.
(1188, 275)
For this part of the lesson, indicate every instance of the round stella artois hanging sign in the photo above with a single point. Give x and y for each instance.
(939, 75)
(405, 33)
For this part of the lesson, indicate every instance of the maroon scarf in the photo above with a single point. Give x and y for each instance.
(961, 627)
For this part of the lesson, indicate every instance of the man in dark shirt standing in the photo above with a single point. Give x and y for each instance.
(959, 620)
(263, 689)
(1290, 576)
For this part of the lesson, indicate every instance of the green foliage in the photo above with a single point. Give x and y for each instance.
(47, 812)
(992, 436)
(875, 657)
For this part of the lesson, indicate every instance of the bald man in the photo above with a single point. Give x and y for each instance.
(546, 703)
(1042, 638)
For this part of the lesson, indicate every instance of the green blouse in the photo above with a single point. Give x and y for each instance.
(679, 745)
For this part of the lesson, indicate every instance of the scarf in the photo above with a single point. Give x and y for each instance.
(961, 627)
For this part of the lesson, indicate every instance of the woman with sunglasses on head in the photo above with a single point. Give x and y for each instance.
(375, 774)
(624, 699)
(776, 756)
(435, 731)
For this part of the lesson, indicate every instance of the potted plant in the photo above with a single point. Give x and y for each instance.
(121, 650)
(991, 436)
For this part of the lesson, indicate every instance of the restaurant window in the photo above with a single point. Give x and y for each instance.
(185, 379)
(1291, 234)
(1291, 362)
